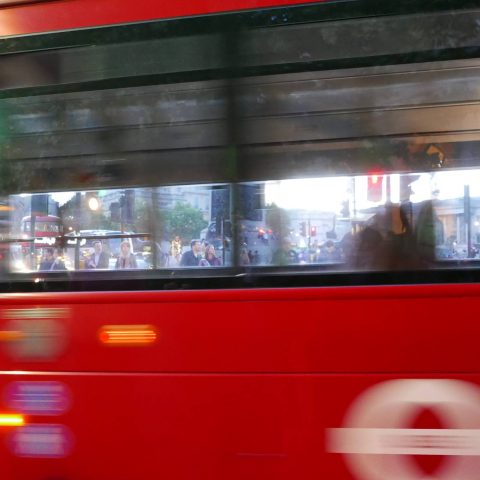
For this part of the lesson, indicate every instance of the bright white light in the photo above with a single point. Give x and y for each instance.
(446, 185)
(62, 197)
(324, 194)
(93, 203)
(422, 188)
(395, 188)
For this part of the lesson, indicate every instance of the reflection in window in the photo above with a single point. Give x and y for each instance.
(123, 229)
(196, 226)
(379, 221)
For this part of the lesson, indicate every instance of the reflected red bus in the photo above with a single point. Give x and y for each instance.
(47, 229)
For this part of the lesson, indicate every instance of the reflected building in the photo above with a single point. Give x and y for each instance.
(198, 196)
(21, 206)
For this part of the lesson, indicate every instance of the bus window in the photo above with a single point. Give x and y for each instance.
(338, 168)
(379, 221)
(174, 227)
(401, 213)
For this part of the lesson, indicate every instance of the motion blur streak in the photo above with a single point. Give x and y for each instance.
(127, 334)
(11, 335)
(15, 313)
(11, 420)
(405, 441)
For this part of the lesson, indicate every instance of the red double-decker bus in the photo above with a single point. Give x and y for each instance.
(46, 229)
(267, 253)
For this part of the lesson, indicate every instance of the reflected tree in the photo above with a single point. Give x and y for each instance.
(184, 220)
(142, 216)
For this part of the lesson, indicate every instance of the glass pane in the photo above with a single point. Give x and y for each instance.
(380, 221)
(195, 226)
(122, 229)
(124, 137)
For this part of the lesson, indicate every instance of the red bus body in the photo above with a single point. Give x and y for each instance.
(238, 384)
(227, 384)
(34, 17)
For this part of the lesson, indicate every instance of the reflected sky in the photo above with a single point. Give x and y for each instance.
(328, 193)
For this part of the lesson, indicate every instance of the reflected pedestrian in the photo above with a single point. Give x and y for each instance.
(193, 256)
(330, 253)
(126, 259)
(244, 258)
(58, 263)
(99, 258)
(211, 257)
(176, 248)
(52, 260)
(48, 259)
(285, 255)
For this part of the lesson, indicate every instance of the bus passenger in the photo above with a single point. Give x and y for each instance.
(193, 256)
(99, 258)
(126, 259)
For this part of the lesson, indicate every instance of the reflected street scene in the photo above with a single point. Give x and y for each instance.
(378, 221)
(416, 205)
(121, 229)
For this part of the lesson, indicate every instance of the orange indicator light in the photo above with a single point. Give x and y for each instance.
(11, 420)
(127, 334)
(11, 335)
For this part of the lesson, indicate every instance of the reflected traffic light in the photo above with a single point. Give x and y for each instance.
(375, 188)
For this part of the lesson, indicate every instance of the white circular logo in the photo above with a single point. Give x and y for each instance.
(378, 442)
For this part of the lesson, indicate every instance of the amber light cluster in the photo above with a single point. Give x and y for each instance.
(127, 334)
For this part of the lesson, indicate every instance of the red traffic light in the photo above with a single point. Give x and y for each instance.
(375, 188)
(313, 231)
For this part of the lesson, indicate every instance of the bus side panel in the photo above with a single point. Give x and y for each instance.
(360, 329)
(229, 426)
